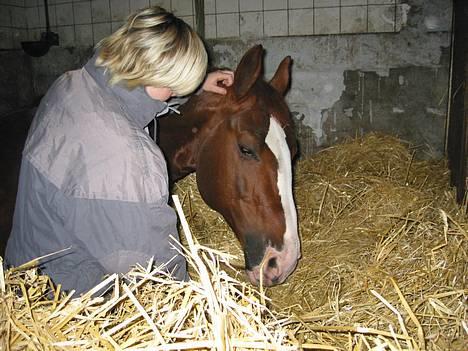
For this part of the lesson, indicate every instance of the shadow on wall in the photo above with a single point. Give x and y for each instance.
(16, 90)
(13, 131)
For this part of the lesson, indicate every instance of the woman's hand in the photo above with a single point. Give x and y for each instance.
(213, 78)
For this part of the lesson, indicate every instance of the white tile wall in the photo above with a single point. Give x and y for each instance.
(251, 5)
(303, 17)
(382, 2)
(183, 8)
(227, 25)
(251, 24)
(82, 12)
(116, 25)
(5, 16)
(136, 5)
(52, 16)
(119, 9)
(42, 17)
(354, 19)
(85, 22)
(300, 4)
(227, 6)
(100, 31)
(31, 3)
(13, 2)
(32, 17)
(210, 26)
(326, 3)
(66, 35)
(17, 17)
(100, 11)
(64, 14)
(353, 2)
(276, 23)
(163, 3)
(5, 38)
(381, 18)
(209, 7)
(275, 5)
(84, 34)
(301, 22)
(327, 20)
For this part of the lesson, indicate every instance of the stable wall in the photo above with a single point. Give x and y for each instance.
(342, 84)
(347, 85)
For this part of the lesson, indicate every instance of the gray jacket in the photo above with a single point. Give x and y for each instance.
(92, 180)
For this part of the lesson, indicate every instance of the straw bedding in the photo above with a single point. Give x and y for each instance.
(384, 267)
(144, 310)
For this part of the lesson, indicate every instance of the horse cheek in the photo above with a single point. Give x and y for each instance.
(211, 178)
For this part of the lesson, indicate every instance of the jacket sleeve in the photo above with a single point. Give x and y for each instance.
(121, 234)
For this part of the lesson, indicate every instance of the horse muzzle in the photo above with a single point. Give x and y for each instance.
(275, 267)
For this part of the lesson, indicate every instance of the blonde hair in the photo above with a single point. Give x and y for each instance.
(155, 48)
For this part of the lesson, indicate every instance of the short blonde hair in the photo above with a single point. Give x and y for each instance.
(155, 48)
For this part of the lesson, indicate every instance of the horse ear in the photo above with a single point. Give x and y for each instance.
(281, 79)
(248, 71)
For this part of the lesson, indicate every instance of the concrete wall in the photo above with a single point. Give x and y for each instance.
(342, 85)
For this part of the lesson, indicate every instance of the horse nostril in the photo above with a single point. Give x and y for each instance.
(272, 263)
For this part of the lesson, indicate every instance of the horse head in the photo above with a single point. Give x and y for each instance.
(241, 146)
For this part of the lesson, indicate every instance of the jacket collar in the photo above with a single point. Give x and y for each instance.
(136, 103)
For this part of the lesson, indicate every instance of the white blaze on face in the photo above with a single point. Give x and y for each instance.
(276, 141)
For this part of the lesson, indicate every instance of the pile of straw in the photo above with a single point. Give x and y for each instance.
(146, 309)
(384, 248)
(384, 267)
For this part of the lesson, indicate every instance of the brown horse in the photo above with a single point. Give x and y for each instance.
(241, 147)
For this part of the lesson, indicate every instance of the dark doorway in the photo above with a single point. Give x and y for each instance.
(456, 143)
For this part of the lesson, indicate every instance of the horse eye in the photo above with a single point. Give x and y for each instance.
(247, 152)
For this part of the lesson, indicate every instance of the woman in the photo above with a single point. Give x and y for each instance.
(93, 186)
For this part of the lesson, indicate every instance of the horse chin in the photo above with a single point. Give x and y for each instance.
(276, 266)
